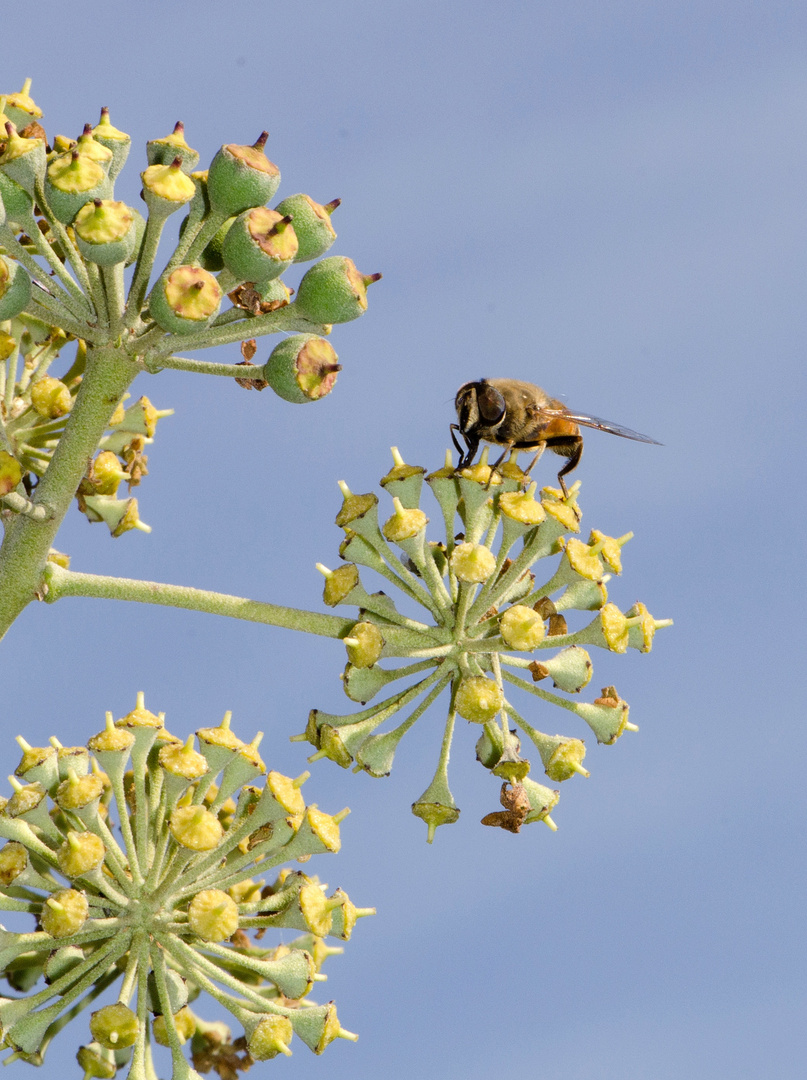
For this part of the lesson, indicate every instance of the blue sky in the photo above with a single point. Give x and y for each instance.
(608, 200)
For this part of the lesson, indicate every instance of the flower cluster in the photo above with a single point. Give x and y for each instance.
(484, 605)
(134, 854)
(65, 244)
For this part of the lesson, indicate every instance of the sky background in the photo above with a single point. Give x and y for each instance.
(605, 199)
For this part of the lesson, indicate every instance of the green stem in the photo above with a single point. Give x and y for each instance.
(26, 543)
(205, 367)
(61, 583)
(275, 322)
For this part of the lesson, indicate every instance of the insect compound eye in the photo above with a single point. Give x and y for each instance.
(491, 404)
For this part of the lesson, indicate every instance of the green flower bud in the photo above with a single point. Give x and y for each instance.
(196, 828)
(333, 291)
(166, 150)
(51, 398)
(24, 160)
(15, 288)
(72, 180)
(185, 300)
(240, 177)
(522, 628)
(80, 853)
(260, 245)
(117, 141)
(478, 699)
(472, 562)
(312, 223)
(302, 368)
(10, 471)
(270, 1037)
(64, 913)
(114, 1026)
(213, 915)
(105, 232)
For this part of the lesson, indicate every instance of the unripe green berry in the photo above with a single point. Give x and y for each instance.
(312, 223)
(64, 913)
(114, 1026)
(96, 151)
(339, 583)
(472, 562)
(96, 1061)
(333, 291)
(404, 524)
(24, 160)
(240, 177)
(72, 180)
(10, 472)
(213, 915)
(164, 151)
(117, 141)
(364, 644)
(478, 699)
(105, 231)
(196, 828)
(270, 1037)
(15, 288)
(184, 1022)
(51, 398)
(80, 853)
(522, 628)
(167, 187)
(302, 368)
(186, 300)
(260, 245)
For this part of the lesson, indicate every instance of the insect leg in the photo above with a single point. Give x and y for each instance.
(471, 446)
(572, 463)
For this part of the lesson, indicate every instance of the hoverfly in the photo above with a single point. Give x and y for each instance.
(520, 416)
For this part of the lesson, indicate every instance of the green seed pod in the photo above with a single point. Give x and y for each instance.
(364, 644)
(15, 288)
(117, 141)
(18, 205)
(478, 699)
(312, 223)
(24, 160)
(51, 398)
(333, 291)
(114, 1026)
(88, 145)
(260, 245)
(73, 180)
(186, 300)
(302, 368)
(105, 232)
(240, 177)
(164, 151)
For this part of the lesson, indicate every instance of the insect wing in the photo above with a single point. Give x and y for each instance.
(599, 424)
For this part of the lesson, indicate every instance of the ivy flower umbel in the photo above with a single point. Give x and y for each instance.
(142, 877)
(485, 604)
